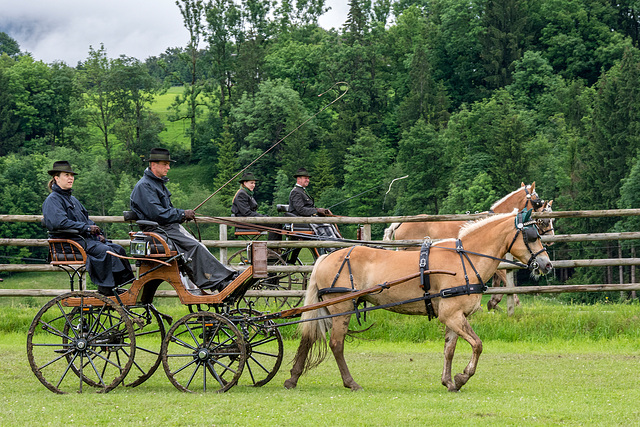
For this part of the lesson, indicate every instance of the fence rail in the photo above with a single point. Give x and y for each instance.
(223, 244)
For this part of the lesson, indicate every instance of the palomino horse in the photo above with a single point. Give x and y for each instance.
(454, 298)
(523, 197)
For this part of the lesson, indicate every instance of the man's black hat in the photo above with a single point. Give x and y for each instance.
(247, 176)
(159, 155)
(302, 172)
(61, 166)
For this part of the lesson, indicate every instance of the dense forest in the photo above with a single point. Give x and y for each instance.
(467, 97)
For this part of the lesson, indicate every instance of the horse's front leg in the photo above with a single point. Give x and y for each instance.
(336, 343)
(450, 340)
(460, 325)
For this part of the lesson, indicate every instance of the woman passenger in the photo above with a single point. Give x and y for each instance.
(62, 211)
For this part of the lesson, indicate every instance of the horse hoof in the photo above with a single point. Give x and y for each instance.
(356, 388)
(288, 384)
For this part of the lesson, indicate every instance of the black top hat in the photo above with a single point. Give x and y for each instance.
(159, 155)
(247, 176)
(302, 172)
(61, 166)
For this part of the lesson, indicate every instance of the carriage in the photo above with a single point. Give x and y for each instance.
(83, 340)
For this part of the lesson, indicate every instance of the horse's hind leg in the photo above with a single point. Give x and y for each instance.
(460, 326)
(298, 364)
(336, 343)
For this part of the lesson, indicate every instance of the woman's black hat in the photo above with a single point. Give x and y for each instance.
(247, 176)
(61, 166)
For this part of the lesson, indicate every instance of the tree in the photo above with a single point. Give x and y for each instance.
(227, 165)
(192, 12)
(420, 155)
(502, 40)
(365, 168)
(100, 98)
(262, 120)
(8, 45)
(11, 137)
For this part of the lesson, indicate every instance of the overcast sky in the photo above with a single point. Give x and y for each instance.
(63, 30)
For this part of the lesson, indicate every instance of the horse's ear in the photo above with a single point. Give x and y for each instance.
(533, 186)
(549, 203)
(522, 184)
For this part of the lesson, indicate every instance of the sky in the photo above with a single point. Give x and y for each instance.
(63, 30)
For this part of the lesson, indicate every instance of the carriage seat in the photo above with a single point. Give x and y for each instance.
(63, 250)
(246, 231)
(302, 228)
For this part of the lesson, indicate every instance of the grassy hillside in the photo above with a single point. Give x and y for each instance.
(175, 131)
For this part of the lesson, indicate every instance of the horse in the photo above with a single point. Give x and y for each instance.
(453, 297)
(523, 197)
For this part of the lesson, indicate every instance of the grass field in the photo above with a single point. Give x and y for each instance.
(549, 364)
(560, 382)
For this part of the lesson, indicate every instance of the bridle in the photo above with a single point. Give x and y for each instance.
(530, 233)
(536, 202)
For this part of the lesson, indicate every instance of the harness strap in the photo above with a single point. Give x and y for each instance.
(463, 255)
(425, 280)
(333, 289)
(446, 293)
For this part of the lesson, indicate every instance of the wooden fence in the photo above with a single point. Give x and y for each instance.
(223, 244)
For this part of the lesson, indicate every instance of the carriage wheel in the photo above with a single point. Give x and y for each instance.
(69, 347)
(150, 332)
(265, 348)
(203, 351)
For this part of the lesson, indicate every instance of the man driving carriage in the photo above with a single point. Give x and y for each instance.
(62, 211)
(302, 204)
(151, 200)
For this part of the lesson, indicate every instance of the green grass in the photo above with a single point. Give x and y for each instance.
(549, 364)
(516, 384)
(174, 133)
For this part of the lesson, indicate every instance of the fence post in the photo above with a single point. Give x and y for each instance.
(223, 250)
(366, 232)
(511, 305)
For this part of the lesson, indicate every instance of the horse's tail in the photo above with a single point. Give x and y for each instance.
(388, 232)
(314, 332)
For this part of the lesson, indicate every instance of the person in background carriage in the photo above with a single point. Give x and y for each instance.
(244, 204)
(62, 211)
(302, 204)
(151, 200)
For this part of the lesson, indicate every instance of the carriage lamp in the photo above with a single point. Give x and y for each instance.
(139, 245)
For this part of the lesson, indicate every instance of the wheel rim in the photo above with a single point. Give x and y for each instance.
(150, 331)
(71, 347)
(265, 348)
(203, 352)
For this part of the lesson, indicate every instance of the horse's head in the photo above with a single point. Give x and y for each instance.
(526, 245)
(523, 197)
(545, 225)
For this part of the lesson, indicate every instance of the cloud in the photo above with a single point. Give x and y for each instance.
(63, 30)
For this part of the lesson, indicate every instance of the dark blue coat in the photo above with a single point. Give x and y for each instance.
(151, 200)
(62, 211)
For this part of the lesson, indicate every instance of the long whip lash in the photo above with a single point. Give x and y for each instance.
(274, 145)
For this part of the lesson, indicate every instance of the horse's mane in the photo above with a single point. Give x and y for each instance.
(471, 226)
(528, 187)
